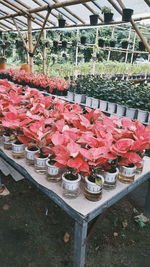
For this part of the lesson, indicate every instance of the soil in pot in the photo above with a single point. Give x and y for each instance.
(71, 185)
(30, 152)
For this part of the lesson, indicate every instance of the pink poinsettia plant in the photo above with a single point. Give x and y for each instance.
(40, 80)
(84, 141)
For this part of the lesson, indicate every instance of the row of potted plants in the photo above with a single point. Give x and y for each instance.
(71, 143)
(108, 16)
(42, 82)
(120, 92)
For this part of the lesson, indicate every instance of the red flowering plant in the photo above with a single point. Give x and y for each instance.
(130, 141)
(37, 80)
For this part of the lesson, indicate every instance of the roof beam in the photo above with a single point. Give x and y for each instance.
(139, 33)
(147, 2)
(19, 20)
(28, 7)
(15, 8)
(42, 8)
(71, 13)
(91, 10)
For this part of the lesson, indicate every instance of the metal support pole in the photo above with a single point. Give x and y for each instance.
(133, 47)
(80, 235)
(147, 202)
(44, 53)
(94, 52)
(126, 57)
(30, 43)
(109, 51)
(77, 47)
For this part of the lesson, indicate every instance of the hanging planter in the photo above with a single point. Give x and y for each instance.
(127, 14)
(112, 43)
(124, 44)
(64, 44)
(83, 39)
(55, 44)
(61, 21)
(101, 42)
(127, 173)
(108, 15)
(94, 19)
(141, 46)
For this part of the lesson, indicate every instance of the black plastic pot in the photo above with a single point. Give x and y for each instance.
(61, 23)
(112, 43)
(108, 17)
(93, 19)
(64, 44)
(127, 13)
(141, 46)
(55, 44)
(101, 42)
(83, 40)
(124, 44)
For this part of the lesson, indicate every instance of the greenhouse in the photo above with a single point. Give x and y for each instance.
(75, 133)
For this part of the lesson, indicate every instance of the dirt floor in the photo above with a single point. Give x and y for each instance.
(32, 230)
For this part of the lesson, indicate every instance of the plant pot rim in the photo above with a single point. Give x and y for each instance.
(126, 167)
(14, 143)
(92, 183)
(50, 165)
(28, 149)
(36, 156)
(112, 173)
(71, 181)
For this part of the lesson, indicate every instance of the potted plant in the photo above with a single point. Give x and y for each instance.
(127, 14)
(108, 15)
(61, 21)
(101, 42)
(83, 38)
(141, 46)
(124, 43)
(93, 186)
(94, 19)
(2, 63)
(55, 44)
(112, 42)
(54, 173)
(64, 43)
(110, 174)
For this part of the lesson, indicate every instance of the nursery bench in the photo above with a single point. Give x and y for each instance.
(80, 209)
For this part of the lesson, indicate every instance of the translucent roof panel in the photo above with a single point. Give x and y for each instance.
(74, 15)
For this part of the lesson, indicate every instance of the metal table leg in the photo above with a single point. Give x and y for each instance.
(80, 234)
(147, 202)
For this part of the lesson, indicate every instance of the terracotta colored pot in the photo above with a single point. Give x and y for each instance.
(2, 66)
(25, 67)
